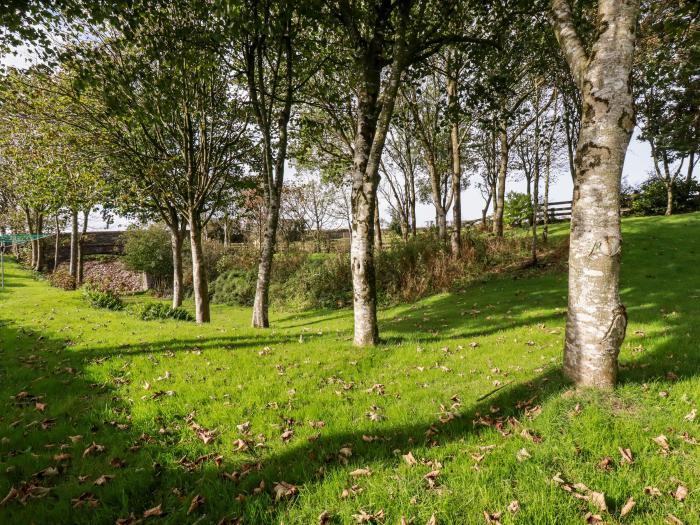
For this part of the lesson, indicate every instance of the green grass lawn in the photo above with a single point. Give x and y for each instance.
(227, 416)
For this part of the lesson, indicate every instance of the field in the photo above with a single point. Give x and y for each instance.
(461, 413)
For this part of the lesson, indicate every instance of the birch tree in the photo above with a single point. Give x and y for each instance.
(600, 65)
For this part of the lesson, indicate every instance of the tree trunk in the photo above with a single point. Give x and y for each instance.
(57, 242)
(199, 272)
(456, 238)
(669, 197)
(377, 228)
(73, 264)
(177, 237)
(39, 243)
(226, 239)
(500, 197)
(691, 165)
(536, 185)
(267, 250)
(30, 229)
(597, 320)
(545, 215)
(81, 246)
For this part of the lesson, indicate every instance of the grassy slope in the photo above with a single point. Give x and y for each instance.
(222, 372)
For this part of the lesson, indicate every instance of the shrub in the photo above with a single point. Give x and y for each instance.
(650, 197)
(235, 287)
(518, 209)
(154, 311)
(324, 282)
(149, 250)
(102, 299)
(61, 278)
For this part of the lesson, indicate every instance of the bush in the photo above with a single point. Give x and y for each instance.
(61, 278)
(102, 299)
(650, 197)
(154, 311)
(518, 209)
(149, 250)
(324, 282)
(235, 287)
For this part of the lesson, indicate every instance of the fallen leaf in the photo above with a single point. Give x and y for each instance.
(94, 448)
(680, 493)
(652, 491)
(409, 459)
(672, 520)
(432, 520)
(365, 517)
(493, 517)
(103, 480)
(361, 472)
(153, 511)
(523, 454)
(626, 455)
(593, 518)
(284, 490)
(197, 501)
(324, 518)
(627, 507)
(690, 416)
(662, 441)
(514, 506)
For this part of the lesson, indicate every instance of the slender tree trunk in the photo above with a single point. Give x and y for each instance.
(545, 215)
(73, 264)
(597, 320)
(536, 185)
(485, 210)
(39, 243)
(669, 197)
(377, 228)
(500, 197)
(691, 165)
(456, 238)
(30, 228)
(177, 237)
(267, 250)
(199, 272)
(81, 249)
(226, 239)
(57, 242)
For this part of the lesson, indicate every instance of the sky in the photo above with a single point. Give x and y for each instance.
(638, 165)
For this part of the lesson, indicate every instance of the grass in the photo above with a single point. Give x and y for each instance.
(142, 390)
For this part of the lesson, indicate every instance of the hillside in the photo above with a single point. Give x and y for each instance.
(461, 412)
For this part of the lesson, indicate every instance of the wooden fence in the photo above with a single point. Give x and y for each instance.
(556, 211)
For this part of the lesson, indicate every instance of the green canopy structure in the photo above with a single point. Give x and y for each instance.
(12, 239)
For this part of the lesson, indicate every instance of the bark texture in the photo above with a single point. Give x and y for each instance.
(597, 320)
(199, 272)
(73, 264)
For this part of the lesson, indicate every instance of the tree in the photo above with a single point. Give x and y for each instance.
(601, 65)
(381, 40)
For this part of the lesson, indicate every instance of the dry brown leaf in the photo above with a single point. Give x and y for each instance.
(324, 518)
(690, 416)
(93, 449)
(627, 507)
(598, 499)
(523, 454)
(593, 518)
(680, 493)
(672, 520)
(103, 480)
(662, 441)
(197, 501)
(284, 490)
(432, 520)
(652, 491)
(514, 506)
(361, 472)
(409, 459)
(364, 517)
(493, 517)
(626, 455)
(153, 511)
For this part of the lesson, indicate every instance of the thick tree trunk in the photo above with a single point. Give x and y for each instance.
(73, 264)
(267, 251)
(691, 165)
(669, 198)
(199, 272)
(500, 197)
(597, 320)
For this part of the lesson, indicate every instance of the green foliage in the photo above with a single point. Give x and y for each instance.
(102, 299)
(154, 311)
(650, 197)
(518, 209)
(321, 282)
(234, 287)
(149, 250)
